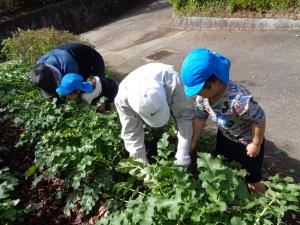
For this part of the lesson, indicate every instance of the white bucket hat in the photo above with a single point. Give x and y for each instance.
(150, 102)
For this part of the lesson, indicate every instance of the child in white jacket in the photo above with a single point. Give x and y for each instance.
(150, 94)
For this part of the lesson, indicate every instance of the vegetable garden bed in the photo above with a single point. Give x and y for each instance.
(69, 166)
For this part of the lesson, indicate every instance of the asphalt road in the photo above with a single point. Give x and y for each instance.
(266, 62)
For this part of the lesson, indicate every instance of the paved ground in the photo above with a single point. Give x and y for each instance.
(266, 62)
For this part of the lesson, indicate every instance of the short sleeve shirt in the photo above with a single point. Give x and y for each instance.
(234, 113)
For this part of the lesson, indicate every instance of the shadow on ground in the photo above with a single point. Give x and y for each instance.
(277, 161)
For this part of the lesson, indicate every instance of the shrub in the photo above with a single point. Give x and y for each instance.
(179, 4)
(29, 45)
(260, 5)
(208, 7)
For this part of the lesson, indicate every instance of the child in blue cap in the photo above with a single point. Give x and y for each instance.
(74, 88)
(240, 120)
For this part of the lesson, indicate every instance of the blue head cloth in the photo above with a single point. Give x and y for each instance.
(199, 65)
(72, 82)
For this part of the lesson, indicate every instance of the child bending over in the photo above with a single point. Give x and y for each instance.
(74, 88)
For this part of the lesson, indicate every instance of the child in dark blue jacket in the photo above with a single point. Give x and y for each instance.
(71, 58)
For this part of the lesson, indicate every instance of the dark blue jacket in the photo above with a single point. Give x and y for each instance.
(83, 60)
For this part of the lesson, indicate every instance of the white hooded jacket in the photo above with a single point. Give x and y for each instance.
(181, 106)
(89, 97)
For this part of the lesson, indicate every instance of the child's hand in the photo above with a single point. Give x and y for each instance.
(253, 150)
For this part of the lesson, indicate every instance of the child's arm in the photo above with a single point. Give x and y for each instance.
(258, 131)
(197, 129)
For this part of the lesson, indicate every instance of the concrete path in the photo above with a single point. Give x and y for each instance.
(266, 62)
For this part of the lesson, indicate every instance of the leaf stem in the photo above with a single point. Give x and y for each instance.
(263, 212)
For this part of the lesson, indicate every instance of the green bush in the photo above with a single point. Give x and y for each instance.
(179, 4)
(209, 7)
(260, 5)
(29, 45)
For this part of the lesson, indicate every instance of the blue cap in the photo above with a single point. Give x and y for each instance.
(72, 82)
(199, 65)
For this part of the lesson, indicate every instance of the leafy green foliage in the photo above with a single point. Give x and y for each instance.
(75, 143)
(162, 193)
(72, 141)
(79, 145)
(206, 142)
(219, 7)
(29, 45)
(8, 212)
(17, 95)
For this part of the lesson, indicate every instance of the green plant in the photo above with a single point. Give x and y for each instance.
(17, 95)
(219, 7)
(72, 140)
(280, 4)
(79, 145)
(29, 45)
(75, 143)
(8, 211)
(162, 194)
(178, 4)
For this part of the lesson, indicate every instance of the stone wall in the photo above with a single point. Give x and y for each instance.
(76, 16)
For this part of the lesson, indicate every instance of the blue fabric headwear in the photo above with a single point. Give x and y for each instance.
(199, 65)
(72, 82)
